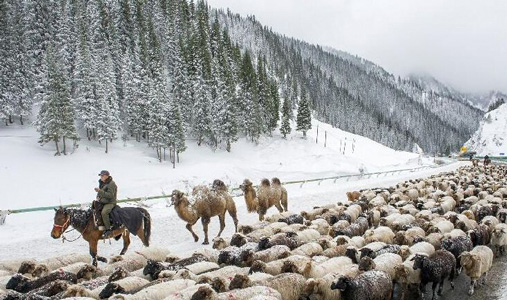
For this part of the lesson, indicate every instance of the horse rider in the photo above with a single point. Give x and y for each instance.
(106, 194)
(487, 160)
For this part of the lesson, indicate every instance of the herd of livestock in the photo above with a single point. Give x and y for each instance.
(420, 231)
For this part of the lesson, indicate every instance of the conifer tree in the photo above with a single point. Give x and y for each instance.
(56, 117)
(285, 126)
(304, 116)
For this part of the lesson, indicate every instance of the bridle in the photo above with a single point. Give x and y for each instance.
(64, 226)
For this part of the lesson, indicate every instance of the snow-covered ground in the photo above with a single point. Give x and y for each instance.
(491, 137)
(32, 176)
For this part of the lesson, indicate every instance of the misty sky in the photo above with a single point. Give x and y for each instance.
(460, 42)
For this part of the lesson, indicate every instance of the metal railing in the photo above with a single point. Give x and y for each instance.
(233, 190)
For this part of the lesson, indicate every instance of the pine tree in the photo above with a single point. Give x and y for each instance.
(56, 117)
(304, 116)
(285, 126)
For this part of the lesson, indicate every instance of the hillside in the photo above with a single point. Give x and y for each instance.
(491, 137)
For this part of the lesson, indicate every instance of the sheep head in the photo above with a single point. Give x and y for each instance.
(153, 268)
(218, 284)
(467, 259)
(257, 266)
(238, 240)
(366, 264)
(419, 261)
(341, 284)
(219, 243)
(118, 273)
(400, 272)
(86, 272)
(40, 270)
(27, 266)
(351, 253)
(240, 281)
(110, 289)
(289, 267)
(204, 292)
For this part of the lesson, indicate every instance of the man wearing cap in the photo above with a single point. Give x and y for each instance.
(106, 194)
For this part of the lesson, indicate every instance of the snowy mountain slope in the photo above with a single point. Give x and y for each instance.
(491, 137)
(34, 177)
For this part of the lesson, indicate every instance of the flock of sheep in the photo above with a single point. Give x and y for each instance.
(417, 232)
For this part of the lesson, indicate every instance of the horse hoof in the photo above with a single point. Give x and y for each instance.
(205, 243)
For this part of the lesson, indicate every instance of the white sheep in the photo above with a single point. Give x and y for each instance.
(386, 262)
(406, 275)
(56, 262)
(308, 235)
(158, 291)
(277, 216)
(202, 267)
(80, 291)
(379, 234)
(246, 229)
(417, 248)
(308, 249)
(227, 271)
(454, 233)
(320, 288)
(186, 293)
(435, 239)
(499, 238)
(477, 264)
(126, 285)
(205, 292)
(321, 225)
(443, 226)
(273, 253)
(335, 264)
(210, 254)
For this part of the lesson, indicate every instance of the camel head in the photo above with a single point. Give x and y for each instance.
(247, 184)
(276, 181)
(176, 197)
(265, 182)
(219, 185)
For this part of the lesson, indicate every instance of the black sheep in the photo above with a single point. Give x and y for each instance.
(153, 268)
(386, 249)
(289, 239)
(435, 268)
(480, 235)
(293, 219)
(482, 212)
(23, 284)
(457, 246)
(370, 285)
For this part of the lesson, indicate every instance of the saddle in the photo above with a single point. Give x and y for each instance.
(130, 217)
(97, 217)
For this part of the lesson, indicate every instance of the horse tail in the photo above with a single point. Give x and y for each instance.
(147, 226)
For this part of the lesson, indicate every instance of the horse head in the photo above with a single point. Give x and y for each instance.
(61, 222)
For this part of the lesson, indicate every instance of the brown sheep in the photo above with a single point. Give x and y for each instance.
(353, 196)
(262, 199)
(208, 203)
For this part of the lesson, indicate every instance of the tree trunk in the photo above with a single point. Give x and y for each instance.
(64, 146)
(107, 144)
(21, 120)
(178, 156)
(10, 119)
(57, 147)
(228, 148)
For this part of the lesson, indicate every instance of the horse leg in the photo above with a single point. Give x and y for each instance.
(93, 251)
(205, 222)
(189, 228)
(222, 223)
(126, 241)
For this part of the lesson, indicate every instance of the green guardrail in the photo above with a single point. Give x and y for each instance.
(360, 175)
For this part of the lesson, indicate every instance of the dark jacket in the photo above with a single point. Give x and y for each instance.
(108, 191)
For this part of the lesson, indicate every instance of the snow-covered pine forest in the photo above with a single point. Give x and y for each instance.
(169, 72)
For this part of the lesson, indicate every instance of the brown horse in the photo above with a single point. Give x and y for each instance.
(82, 221)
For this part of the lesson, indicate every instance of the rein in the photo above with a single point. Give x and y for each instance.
(67, 227)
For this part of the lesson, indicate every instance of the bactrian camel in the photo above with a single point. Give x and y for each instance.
(267, 195)
(207, 203)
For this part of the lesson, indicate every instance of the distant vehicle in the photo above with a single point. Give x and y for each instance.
(467, 154)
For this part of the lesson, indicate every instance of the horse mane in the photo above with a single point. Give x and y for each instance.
(79, 217)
